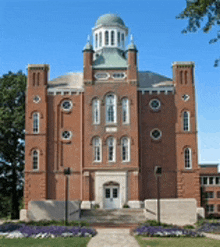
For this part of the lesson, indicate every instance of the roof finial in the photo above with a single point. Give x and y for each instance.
(132, 39)
(89, 39)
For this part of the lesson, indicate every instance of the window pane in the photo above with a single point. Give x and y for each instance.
(36, 122)
(119, 38)
(205, 180)
(125, 110)
(111, 149)
(97, 149)
(115, 193)
(186, 121)
(35, 159)
(110, 109)
(107, 193)
(100, 39)
(187, 158)
(112, 38)
(96, 111)
(211, 180)
(106, 38)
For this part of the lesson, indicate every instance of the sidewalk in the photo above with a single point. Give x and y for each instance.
(212, 235)
(113, 237)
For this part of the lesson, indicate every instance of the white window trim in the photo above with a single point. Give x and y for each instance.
(208, 208)
(155, 109)
(151, 134)
(114, 150)
(188, 122)
(34, 123)
(35, 169)
(71, 105)
(100, 146)
(129, 150)
(128, 111)
(190, 158)
(208, 181)
(66, 139)
(93, 111)
(115, 110)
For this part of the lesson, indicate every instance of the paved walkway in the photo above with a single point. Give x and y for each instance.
(212, 235)
(113, 237)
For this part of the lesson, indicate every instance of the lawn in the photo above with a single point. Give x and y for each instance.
(174, 242)
(55, 242)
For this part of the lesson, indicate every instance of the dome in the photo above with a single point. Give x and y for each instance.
(110, 19)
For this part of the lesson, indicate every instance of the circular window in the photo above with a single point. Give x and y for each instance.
(155, 104)
(156, 134)
(66, 135)
(36, 99)
(185, 97)
(67, 105)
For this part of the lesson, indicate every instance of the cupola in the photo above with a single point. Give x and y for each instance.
(109, 32)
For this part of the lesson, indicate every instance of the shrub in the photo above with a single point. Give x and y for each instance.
(188, 227)
(126, 206)
(95, 206)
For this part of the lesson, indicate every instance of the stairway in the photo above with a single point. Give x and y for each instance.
(125, 217)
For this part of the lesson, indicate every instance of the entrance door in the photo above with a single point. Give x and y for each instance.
(111, 196)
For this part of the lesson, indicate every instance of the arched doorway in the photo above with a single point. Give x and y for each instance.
(111, 195)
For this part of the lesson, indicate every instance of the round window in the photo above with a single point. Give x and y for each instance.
(36, 99)
(66, 135)
(156, 134)
(67, 105)
(155, 104)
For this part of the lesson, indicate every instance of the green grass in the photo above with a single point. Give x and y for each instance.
(174, 242)
(55, 242)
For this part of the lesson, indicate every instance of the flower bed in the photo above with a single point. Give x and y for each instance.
(24, 231)
(159, 231)
(210, 227)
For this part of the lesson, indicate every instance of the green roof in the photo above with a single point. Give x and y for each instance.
(110, 58)
(110, 19)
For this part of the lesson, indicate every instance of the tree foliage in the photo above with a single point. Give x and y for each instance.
(12, 124)
(202, 12)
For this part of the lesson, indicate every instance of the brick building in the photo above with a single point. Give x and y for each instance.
(111, 124)
(210, 188)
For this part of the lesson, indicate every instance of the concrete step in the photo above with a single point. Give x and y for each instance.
(116, 216)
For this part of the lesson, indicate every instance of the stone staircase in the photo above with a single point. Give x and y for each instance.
(125, 217)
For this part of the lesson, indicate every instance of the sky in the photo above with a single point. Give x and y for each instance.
(55, 32)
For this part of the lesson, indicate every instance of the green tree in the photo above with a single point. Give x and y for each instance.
(12, 124)
(202, 14)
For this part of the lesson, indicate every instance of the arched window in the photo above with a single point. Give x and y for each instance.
(119, 39)
(35, 159)
(97, 149)
(96, 111)
(125, 111)
(188, 158)
(36, 122)
(96, 40)
(123, 40)
(110, 108)
(112, 38)
(100, 39)
(111, 149)
(106, 38)
(186, 121)
(125, 145)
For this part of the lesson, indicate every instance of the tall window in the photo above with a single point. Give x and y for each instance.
(35, 159)
(96, 40)
(111, 149)
(125, 110)
(110, 108)
(112, 38)
(106, 38)
(119, 39)
(34, 78)
(96, 111)
(36, 122)
(125, 149)
(100, 39)
(97, 149)
(188, 158)
(186, 122)
(123, 40)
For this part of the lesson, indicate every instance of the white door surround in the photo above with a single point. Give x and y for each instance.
(102, 178)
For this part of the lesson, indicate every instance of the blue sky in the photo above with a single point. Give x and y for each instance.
(55, 32)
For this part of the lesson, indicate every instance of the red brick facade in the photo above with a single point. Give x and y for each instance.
(77, 152)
